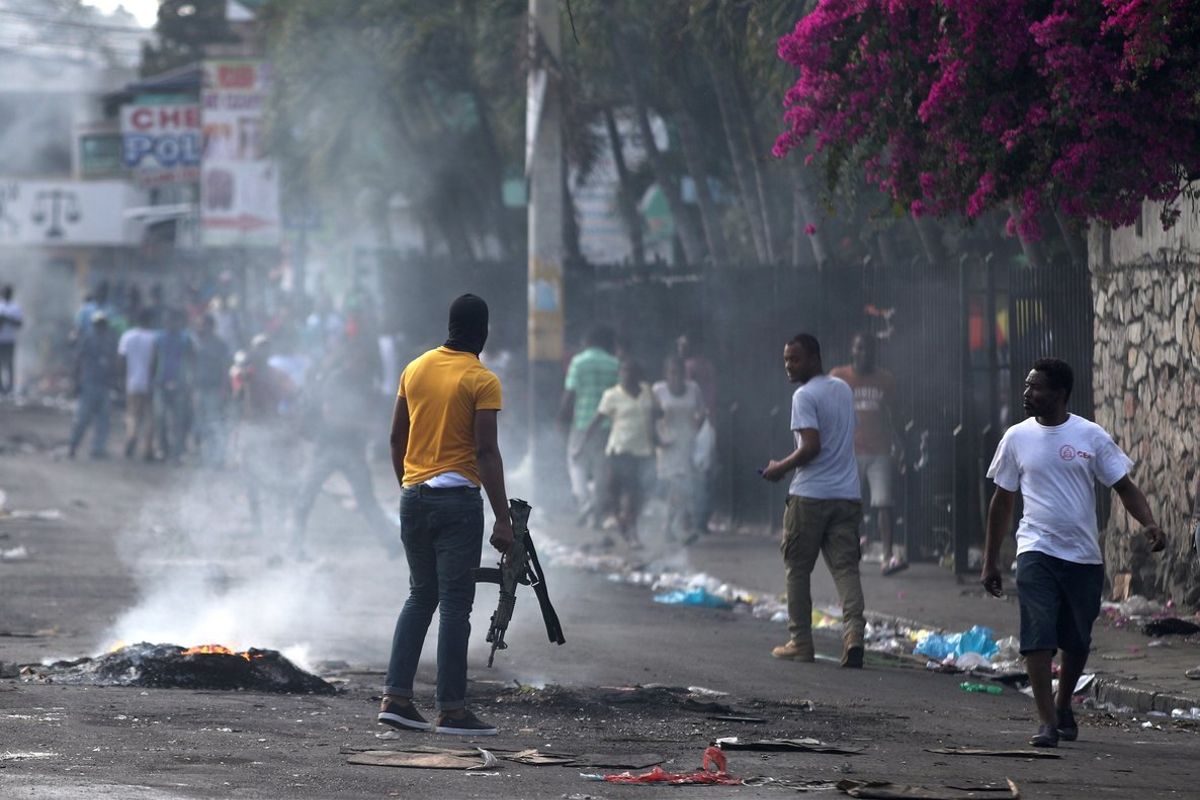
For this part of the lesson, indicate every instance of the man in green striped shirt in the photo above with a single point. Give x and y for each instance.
(591, 372)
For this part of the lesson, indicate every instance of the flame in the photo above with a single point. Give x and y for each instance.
(219, 650)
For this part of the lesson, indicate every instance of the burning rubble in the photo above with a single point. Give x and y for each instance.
(169, 666)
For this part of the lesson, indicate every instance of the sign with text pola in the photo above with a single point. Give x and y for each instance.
(239, 185)
(160, 144)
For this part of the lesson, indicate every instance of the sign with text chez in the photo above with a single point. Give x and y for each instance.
(239, 184)
(160, 144)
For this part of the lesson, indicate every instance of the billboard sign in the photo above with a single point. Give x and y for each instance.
(68, 213)
(161, 143)
(239, 185)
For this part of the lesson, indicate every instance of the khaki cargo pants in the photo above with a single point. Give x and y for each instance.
(828, 527)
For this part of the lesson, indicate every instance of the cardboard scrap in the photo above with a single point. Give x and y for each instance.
(792, 745)
(884, 790)
(426, 758)
(980, 751)
(539, 759)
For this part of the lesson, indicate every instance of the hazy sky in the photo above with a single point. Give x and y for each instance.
(145, 10)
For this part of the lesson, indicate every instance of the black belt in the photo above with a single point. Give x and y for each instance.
(422, 489)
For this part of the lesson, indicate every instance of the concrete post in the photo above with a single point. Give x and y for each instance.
(544, 169)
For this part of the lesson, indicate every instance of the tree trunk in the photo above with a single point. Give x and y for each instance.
(570, 221)
(753, 142)
(1076, 247)
(709, 216)
(625, 198)
(804, 213)
(931, 242)
(693, 251)
(1032, 249)
(742, 172)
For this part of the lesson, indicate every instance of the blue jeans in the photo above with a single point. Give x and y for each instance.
(442, 531)
(93, 407)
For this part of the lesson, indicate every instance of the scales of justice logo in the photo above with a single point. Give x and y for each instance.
(52, 209)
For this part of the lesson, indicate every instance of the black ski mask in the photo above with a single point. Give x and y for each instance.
(468, 324)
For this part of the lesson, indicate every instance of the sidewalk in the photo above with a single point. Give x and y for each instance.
(1128, 672)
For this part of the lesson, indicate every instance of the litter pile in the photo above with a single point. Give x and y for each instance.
(169, 666)
(975, 649)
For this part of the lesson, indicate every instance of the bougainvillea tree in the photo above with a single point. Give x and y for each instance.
(1084, 107)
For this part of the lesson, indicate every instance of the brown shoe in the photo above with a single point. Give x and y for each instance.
(794, 651)
(852, 656)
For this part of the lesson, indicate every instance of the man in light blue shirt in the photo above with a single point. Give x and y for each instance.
(824, 504)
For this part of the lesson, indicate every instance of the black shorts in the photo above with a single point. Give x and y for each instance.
(1059, 602)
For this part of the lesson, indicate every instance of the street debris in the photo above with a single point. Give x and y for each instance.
(44, 515)
(1081, 686)
(427, 758)
(713, 771)
(698, 596)
(27, 755)
(981, 751)
(19, 553)
(169, 666)
(786, 745)
(737, 718)
(978, 640)
(980, 688)
(885, 790)
(618, 760)
(1185, 713)
(1170, 626)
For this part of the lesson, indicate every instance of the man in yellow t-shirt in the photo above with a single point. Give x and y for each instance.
(443, 449)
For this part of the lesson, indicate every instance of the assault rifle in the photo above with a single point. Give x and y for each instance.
(518, 566)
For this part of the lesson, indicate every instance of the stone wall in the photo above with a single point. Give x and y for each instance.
(1146, 287)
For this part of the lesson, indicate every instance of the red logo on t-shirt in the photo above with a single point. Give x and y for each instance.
(1067, 453)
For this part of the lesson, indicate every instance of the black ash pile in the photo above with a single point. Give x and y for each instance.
(169, 666)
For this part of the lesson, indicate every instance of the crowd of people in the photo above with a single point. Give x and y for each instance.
(628, 439)
(207, 381)
(626, 436)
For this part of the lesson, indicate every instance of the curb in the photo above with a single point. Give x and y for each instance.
(1104, 690)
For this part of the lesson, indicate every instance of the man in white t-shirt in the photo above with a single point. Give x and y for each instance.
(1055, 459)
(137, 348)
(824, 504)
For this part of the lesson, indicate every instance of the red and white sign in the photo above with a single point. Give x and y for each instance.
(239, 185)
(161, 143)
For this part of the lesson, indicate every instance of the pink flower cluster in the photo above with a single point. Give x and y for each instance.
(958, 106)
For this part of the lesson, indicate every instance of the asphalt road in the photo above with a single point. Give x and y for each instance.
(172, 546)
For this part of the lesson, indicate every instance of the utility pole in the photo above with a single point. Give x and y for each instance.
(544, 172)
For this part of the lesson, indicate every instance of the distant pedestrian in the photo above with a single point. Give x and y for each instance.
(699, 368)
(1054, 459)
(137, 348)
(11, 321)
(630, 409)
(444, 447)
(346, 411)
(172, 385)
(95, 371)
(591, 372)
(824, 503)
(874, 438)
(212, 394)
(264, 445)
(683, 411)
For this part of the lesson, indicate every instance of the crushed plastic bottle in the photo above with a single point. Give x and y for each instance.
(1185, 713)
(980, 688)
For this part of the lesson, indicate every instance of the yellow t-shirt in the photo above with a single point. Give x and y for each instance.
(444, 388)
